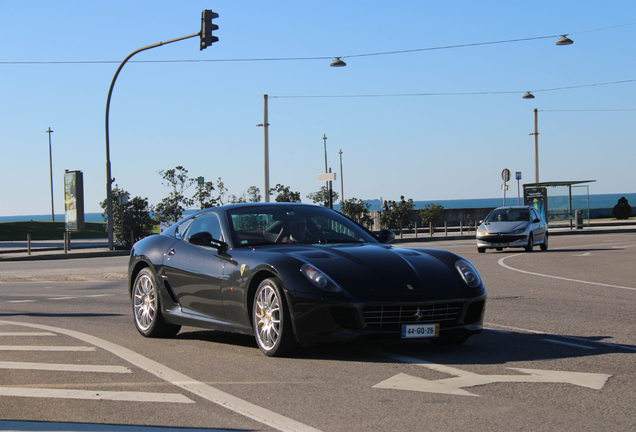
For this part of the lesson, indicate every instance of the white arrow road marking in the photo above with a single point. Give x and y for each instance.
(469, 379)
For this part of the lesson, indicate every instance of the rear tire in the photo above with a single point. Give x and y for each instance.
(544, 245)
(147, 307)
(481, 250)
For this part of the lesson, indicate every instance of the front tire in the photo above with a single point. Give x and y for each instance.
(147, 308)
(530, 245)
(272, 320)
(481, 250)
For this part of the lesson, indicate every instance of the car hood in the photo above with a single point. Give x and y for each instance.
(369, 272)
(502, 227)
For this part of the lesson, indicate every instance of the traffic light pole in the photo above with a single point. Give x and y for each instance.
(109, 178)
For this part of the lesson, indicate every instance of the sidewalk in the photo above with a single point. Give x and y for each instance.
(52, 250)
(604, 227)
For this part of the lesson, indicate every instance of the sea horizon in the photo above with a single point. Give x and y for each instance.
(605, 201)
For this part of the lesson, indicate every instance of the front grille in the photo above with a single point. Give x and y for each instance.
(393, 317)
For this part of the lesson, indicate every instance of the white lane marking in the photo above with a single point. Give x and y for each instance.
(569, 344)
(501, 263)
(205, 391)
(585, 254)
(22, 334)
(579, 339)
(94, 395)
(64, 367)
(45, 348)
(20, 301)
(34, 426)
(464, 378)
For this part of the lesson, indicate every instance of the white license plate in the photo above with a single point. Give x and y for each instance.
(420, 331)
(500, 245)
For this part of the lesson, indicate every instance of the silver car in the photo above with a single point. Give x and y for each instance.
(515, 226)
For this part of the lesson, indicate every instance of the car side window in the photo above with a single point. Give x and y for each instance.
(182, 228)
(205, 223)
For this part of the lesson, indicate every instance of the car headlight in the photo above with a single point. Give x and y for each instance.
(482, 232)
(468, 273)
(319, 279)
(519, 231)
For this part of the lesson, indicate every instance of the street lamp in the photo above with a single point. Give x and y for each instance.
(337, 63)
(51, 170)
(265, 126)
(206, 40)
(536, 145)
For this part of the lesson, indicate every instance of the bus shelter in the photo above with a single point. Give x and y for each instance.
(560, 202)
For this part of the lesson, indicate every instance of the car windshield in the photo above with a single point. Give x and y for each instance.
(509, 215)
(293, 224)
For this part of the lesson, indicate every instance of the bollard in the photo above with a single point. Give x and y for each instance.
(415, 229)
(430, 228)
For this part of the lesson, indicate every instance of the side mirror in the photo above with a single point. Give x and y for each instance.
(205, 239)
(536, 220)
(386, 236)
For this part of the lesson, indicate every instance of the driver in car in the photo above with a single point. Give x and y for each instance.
(297, 230)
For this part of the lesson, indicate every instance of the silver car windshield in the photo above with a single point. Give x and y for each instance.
(509, 215)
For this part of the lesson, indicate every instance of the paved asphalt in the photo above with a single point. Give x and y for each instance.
(54, 249)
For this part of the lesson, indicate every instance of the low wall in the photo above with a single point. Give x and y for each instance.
(452, 217)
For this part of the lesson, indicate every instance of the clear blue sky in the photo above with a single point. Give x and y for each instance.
(448, 144)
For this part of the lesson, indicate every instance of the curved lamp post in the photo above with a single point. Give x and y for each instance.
(109, 179)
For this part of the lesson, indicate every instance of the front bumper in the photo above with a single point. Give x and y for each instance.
(320, 321)
(504, 240)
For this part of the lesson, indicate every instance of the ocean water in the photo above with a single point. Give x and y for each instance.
(578, 202)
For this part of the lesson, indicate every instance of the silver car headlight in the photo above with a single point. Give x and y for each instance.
(519, 231)
(468, 273)
(319, 279)
(482, 232)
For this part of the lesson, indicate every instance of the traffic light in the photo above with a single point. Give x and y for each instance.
(207, 27)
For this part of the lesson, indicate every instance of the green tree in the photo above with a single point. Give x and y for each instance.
(431, 213)
(399, 215)
(253, 194)
(203, 195)
(357, 210)
(137, 217)
(222, 190)
(322, 196)
(284, 194)
(171, 208)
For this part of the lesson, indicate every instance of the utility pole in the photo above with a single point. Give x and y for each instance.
(341, 187)
(51, 170)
